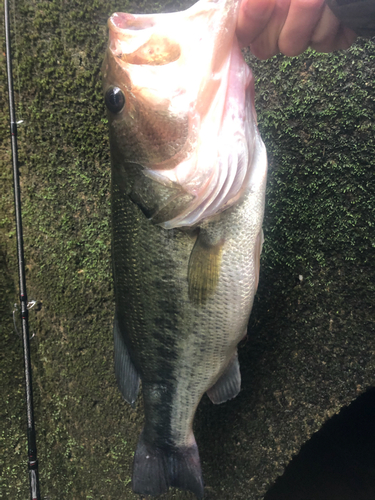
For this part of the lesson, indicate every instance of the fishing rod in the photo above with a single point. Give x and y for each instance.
(31, 440)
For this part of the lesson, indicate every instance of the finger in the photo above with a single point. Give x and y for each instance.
(252, 19)
(345, 37)
(330, 35)
(266, 44)
(323, 38)
(299, 26)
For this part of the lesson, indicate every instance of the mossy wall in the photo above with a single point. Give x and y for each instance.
(311, 348)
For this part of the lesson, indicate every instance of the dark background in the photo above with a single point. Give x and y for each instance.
(311, 347)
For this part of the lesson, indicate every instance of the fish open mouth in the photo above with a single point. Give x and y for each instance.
(136, 32)
(189, 106)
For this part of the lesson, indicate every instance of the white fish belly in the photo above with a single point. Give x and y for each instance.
(221, 323)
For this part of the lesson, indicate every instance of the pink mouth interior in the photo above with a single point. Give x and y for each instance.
(123, 21)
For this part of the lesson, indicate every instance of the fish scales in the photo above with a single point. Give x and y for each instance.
(186, 227)
(188, 343)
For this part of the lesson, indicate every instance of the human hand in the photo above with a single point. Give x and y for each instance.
(290, 27)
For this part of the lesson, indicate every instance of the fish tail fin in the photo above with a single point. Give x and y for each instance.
(155, 469)
(184, 469)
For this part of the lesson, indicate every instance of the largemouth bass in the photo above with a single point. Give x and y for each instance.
(188, 185)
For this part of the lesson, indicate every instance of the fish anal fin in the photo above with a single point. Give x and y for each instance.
(157, 468)
(126, 374)
(228, 385)
(257, 251)
(204, 268)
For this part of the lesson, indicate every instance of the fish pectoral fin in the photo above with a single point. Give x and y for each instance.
(204, 268)
(159, 201)
(228, 385)
(126, 374)
(156, 468)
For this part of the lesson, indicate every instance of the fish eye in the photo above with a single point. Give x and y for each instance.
(114, 99)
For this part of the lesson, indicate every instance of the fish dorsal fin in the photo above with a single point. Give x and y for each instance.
(126, 373)
(204, 267)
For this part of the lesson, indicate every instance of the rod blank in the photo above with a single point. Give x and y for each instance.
(32, 453)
